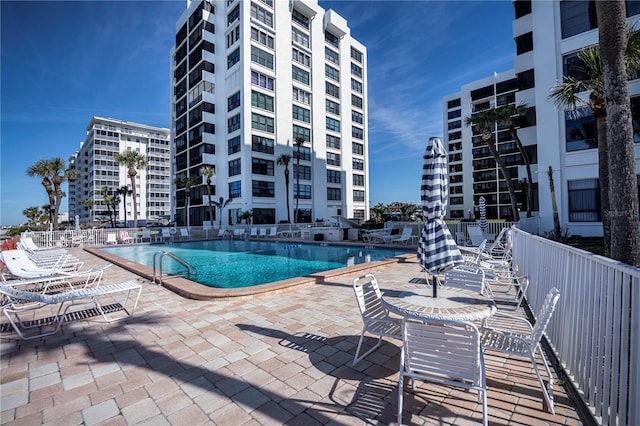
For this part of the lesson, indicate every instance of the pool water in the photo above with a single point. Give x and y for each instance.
(239, 263)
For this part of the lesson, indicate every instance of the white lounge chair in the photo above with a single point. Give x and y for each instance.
(19, 265)
(238, 233)
(166, 234)
(254, 232)
(525, 345)
(184, 234)
(475, 235)
(112, 238)
(124, 237)
(405, 237)
(146, 235)
(18, 302)
(273, 232)
(444, 352)
(375, 316)
(263, 232)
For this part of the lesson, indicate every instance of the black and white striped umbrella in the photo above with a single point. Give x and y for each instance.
(483, 214)
(437, 250)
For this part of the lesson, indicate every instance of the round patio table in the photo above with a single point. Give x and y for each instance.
(451, 304)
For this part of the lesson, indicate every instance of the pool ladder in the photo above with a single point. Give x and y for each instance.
(191, 270)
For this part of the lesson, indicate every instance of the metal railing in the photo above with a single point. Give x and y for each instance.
(595, 331)
(157, 266)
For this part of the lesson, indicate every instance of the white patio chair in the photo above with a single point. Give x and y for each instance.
(406, 236)
(525, 345)
(166, 234)
(254, 232)
(262, 233)
(468, 278)
(273, 232)
(146, 234)
(375, 316)
(124, 237)
(184, 234)
(475, 235)
(112, 238)
(444, 352)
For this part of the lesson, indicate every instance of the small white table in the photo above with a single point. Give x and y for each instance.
(450, 304)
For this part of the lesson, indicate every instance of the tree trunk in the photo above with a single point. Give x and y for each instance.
(527, 165)
(210, 205)
(623, 202)
(557, 231)
(132, 175)
(286, 182)
(507, 177)
(603, 180)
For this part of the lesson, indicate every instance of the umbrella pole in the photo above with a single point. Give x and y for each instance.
(434, 284)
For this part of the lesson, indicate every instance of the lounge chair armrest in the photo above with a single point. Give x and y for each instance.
(503, 315)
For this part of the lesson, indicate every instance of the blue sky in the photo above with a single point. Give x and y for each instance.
(63, 62)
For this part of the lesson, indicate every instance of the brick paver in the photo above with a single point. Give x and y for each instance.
(282, 358)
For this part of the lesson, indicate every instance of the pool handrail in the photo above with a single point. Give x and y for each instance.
(161, 254)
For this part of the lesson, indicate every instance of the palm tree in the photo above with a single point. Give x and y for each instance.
(41, 169)
(89, 202)
(133, 160)
(283, 160)
(298, 143)
(376, 213)
(124, 191)
(557, 231)
(485, 123)
(566, 95)
(209, 172)
(33, 215)
(109, 200)
(623, 201)
(187, 182)
(505, 115)
(221, 204)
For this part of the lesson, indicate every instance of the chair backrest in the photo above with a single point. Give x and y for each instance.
(447, 351)
(146, 233)
(407, 232)
(112, 238)
(263, 232)
(254, 232)
(274, 231)
(369, 298)
(544, 317)
(184, 232)
(238, 232)
(166, 233)
(475, 235)
(465, 278)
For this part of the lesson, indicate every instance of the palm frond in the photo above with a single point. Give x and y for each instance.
(565, 95)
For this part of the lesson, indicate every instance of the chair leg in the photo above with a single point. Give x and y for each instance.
(357, 359)
(400, 395)
(548, 396)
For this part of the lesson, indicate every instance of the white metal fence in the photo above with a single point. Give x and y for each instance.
(595, 331)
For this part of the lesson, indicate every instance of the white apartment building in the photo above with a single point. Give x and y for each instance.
(249, 77)
(548, 37)
(97, 168)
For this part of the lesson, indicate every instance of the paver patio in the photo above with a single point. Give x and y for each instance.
(280, 358)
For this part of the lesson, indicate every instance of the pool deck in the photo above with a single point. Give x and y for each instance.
(283, 357)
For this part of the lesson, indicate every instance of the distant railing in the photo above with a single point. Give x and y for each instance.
(595, 331)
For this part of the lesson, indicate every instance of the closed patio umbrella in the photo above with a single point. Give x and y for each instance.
(483, 215)
(437, 250)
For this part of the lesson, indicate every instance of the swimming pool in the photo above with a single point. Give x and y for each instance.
(239, 263)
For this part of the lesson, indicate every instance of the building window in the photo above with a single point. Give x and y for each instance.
(358, 180)
(331, 39)
(301, 57)
(580, 130)
(262, 101)
(233, 101)
(357, 132)
(522, 8)
(584, 200)
(234, 167)
(334, 176)
(356, 54)
(453, 103)
(300, 75)
(357, 148)
(358, 214)
(332, 107)
(524, 43)
(356, 86)
(260, 166)
(303, 171)
(233, 123)
(526, 80)
(332, 90)
(333, 124)
(233, 58)
(261, 57)
(301, 96)
(262, 144)
(334, 194)
(358, 195)
(357, 117)
(333, 142)
(305, 153)
(261, 122)
(356, 101)
(302, 192)
(577, 17)
(262, 188)
(574, 67)
(301, 114)
(299, 19)
(333, 159)
(261, 37)
(356, 70)
(265, 215)
(299, 37)
(301, 132)
(332, 73)
(331, 55)
(233, 145)
(235, 189)
(262, 80)
(358, 164)
(233, 16)
(262, 15)
(233, 36)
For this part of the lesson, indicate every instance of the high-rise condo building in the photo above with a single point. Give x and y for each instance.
(272, 96)
(548, 38)
(102, 176)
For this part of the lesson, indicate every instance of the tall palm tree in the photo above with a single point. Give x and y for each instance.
(221, 204)
(124, 191)
(209, 172)
(567, 96)
(186, 182)
(298, 143)
(557, 231)
(33, 215)
(89, 202)
(623, 202)
(283, 160)
(506, 115)
(42, 169)
(132, 160)
(109, 200)
(485, 123)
